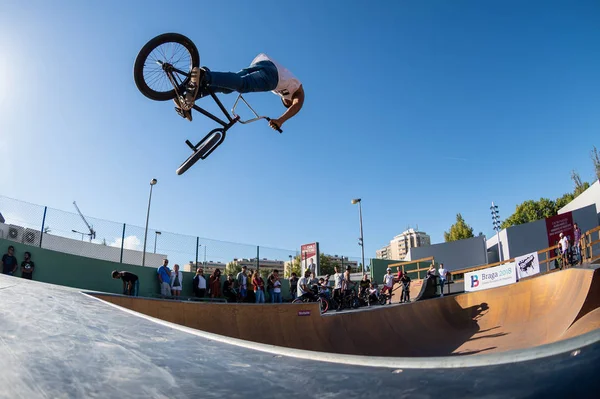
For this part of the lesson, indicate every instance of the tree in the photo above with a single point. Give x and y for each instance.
(530, 211)
(579, 186)
(233, 268)
(596, 160)
(326, 265)
(459, 230)
(564, 200)
(295, 268)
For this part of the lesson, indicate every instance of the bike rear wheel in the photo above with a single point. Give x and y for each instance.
(169, 53)
(297, 300)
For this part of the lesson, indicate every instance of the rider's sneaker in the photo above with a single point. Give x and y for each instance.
(196, 81)
(187, 114)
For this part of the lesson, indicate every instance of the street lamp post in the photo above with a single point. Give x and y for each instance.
(496, 222)
(156, 234)
(361, 240)
(152, 183)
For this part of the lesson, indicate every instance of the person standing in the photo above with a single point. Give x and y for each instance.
(200, 283)
(214, 284)
(27, 266)
(242, 282)
(388, 284)
(176, 281)
(9, 262)
(259, 287)
(564, 247)
(164, 278)
(337, 286)
(276, 284)
(293, 285)
(442, 272)
(577, 244)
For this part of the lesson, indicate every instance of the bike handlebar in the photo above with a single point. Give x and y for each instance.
(276, 127)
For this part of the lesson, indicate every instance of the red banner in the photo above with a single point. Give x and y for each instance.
(559, 224)
(310, 257)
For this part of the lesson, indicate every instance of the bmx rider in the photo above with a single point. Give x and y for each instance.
(263, 74)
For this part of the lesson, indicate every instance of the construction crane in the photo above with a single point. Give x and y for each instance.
(92, 233)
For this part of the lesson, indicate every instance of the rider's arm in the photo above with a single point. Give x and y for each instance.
(297, 103)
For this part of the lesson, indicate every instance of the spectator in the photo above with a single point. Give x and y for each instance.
(131, 282)
(337, 285)
(365, 283)
(259, 287)
(176, 281)
(324, 287)
(293, 285)
(9, 262)
(27, 266)
(564, 246)
(577, 244)
(431, 272)
(405, 280)
(270, 287)
(229, 290)
(276, 284)
(388, 283)
(200, 283)
(215, 284)
(242, 282)
(373, 293)
(400, 274)
(347, 283)
(304, 291)
(164, 277)
(442, 272)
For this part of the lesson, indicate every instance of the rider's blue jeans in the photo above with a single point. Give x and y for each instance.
(261, 76)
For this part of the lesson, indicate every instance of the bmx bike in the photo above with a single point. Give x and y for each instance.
(162, 72)
(320, 299)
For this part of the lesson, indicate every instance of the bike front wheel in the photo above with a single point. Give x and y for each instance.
(324, 305)
(164, 65)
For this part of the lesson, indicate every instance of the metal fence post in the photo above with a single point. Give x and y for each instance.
(197, 245)
(122, 243)
(43, 222)
(257, 258)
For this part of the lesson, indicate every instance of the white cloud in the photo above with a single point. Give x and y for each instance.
(131, 242)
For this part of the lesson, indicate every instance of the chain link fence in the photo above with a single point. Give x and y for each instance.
(77, 234)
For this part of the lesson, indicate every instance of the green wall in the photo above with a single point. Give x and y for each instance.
(87, 273)
(95, 274)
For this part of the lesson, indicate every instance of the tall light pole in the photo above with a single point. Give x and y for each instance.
(361, 241)
(496, 222)
(156, 234)
(152, 183)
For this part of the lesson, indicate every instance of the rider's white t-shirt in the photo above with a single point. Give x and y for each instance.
(388, 280)
(303, 281)
(337, 281)
(287, 84)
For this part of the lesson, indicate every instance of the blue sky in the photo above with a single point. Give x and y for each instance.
(422, 108)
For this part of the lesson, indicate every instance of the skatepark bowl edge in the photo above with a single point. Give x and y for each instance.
(537, 317)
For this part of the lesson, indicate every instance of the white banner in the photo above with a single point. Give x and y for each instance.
(491, 277)
(527, 265)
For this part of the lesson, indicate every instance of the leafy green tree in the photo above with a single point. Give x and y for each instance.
(326, 264)
(459, 230)
(296, 268)
(579, 186)
(564, 200)
(530, 211)
(233, 268)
